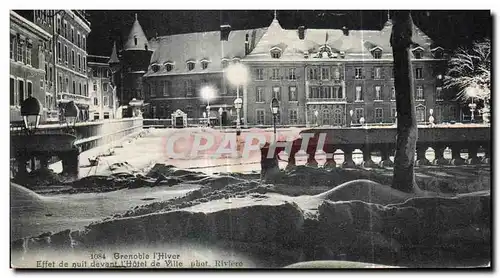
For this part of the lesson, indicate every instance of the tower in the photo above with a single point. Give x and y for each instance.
(135, 60)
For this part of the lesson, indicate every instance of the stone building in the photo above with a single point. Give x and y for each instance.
(102, 96)
(66, 65)
(29, 46)
(319, 76)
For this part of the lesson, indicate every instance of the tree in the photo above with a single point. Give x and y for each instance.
(407, 132)
(469, 72)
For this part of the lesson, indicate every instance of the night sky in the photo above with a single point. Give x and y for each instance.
(447, 28)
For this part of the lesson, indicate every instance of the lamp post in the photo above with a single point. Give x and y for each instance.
(238, 103)
(316, 113)
(351, 112)
(204, 115)
(237, 74)
(31, 112)
(431, 118)
(208, 92)
(71, 112)
(275, 106)
(220, 117)
(472, 107)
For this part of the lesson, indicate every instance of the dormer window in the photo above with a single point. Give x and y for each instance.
(275, 53)
(236, 60)
(135, 40)
(342, 54)
(437, 53)
(377, 54)
(169, 66)
(224, 63)
(418, 52)
(155, 67)
(190, 65)
(204, 64)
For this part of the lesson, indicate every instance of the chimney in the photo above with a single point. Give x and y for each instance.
(247, 45)
(301, 32)
(345, 30)
(224, 32)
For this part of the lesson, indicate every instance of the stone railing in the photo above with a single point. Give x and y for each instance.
(92, 134)
(470, 138)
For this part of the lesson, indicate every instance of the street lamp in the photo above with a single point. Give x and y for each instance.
(351, 112)
(472, 107)
(31, 112)
(204, 115)
(362, 120)
(220, 117)
(71, 112)
(238, 103)
(431, 118)
(237, 74)
(275, 106)
(316, 113)
(208, 93)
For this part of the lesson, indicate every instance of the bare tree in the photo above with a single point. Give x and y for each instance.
(407, 133)
(469, 72)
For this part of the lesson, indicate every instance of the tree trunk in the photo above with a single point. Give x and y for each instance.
(407, 134)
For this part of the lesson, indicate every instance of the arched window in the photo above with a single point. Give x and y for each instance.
(190, 65)
(204, 64)
(169, 66)
(155, 67)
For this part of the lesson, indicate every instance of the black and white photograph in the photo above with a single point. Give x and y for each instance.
(250, 139)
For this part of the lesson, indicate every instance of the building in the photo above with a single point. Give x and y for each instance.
(29, 49)
(101, 92)
(319, 76)
(66, 65)
(129, 66)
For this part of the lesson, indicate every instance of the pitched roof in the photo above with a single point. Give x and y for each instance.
(136, 39)
(358, 44)
(181, 48)
(114, 56)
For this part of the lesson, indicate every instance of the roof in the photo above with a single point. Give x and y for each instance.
(181, 48)
(136, 39)
(358, 44)
(114, 56)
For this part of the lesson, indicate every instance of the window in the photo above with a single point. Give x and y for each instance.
(41, 84)
(377, 73)
(393, 114)
(393, 93)
(259, 94)
(74, 87)
(60, 83)
(84, 63)
(155, 67)
(418, 54)
(84, 43)
(169, 67)
(29, 89)
(20, 90)
(13, 94)
(378, 95)
(58, 24)
(291, 74)
(275, 53)
(59, 52)
(167, 84)
(420, 113)
(96, 101)
(66, 54)
(313, 74)
(19, 51)
(275, 74)
(337, 93)
(325, 92)
(259, 73)
(420, 93)
(12, 44)
(80, 88)
(438, 54)
(105, 101)
(95, 86)
(419, 73)
(50, 74)
(85, 92)
(95, 72)
(73, 62)
(336, 73)
(377, 54)
(292, 93)
(65, 29)
(293, 116)
(277, 92)
(135, 40)
(439, 94)
(105, 86)
(379, 115)
(325, 73)
(260, 116)
(72, 34)
(204, 65)
(359, 94)
(359, 113)
(78, 39)
(152, 88)
(79, 62)
(66, 85)
(189, 87)
(313, 92)
(106, 115)
(225, 63)
(358, 73)
(190, 66)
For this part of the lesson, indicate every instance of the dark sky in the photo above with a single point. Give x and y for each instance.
(447, 28)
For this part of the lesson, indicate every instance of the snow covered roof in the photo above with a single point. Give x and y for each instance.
(357, 44)
(177, 50)
(136, 39)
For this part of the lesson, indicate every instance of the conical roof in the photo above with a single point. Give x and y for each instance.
(136, 39)
(114, 56)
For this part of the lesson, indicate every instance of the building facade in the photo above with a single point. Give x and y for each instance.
(29, 48)
(332, 77)
(66, 64)
(102, 95)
